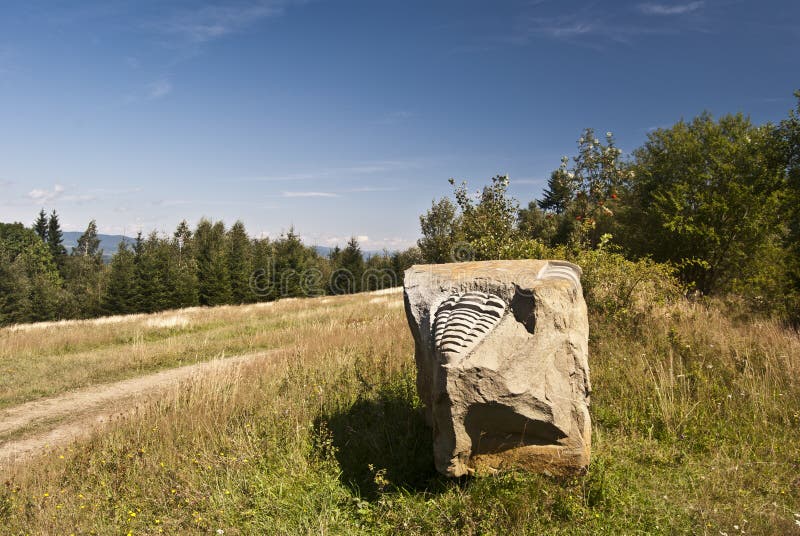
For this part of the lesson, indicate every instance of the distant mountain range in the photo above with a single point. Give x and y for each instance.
(110, 243)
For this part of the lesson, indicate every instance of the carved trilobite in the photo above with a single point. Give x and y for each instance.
(464, 320)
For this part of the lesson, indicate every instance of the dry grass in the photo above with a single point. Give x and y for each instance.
(695, 431)
(38, 360)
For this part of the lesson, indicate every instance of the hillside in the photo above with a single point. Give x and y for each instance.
(695, 419)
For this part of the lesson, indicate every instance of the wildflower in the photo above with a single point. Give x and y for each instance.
(613, 196)
(220, 531)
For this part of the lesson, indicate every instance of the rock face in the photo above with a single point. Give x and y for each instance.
(502, 364)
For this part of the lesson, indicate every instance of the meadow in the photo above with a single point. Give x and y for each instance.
(695, 419)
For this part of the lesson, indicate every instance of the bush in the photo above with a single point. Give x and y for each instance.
(618, 287)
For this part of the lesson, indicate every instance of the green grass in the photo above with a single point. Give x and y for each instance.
(695, 423)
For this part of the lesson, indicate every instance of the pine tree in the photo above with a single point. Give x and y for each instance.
(120, 295)
(55, 240)
(240, 263)
(40, 225)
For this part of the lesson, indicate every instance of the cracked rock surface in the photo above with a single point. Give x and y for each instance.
(502, 364)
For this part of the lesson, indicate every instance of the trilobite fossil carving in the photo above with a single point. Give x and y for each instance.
(464, 320)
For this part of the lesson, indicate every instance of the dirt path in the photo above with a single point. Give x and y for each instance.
(60, 419)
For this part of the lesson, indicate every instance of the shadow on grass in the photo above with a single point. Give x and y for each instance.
(382, 443)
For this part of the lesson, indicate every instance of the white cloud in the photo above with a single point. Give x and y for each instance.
(45, 196)
(310, 194)
(669, 9)
(158, 89)
(362, 238)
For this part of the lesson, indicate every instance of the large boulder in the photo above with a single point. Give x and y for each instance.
(502, 364)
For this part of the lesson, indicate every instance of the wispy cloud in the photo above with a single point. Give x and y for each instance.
(310, 194)
(582, 27)
(215, 21)
(364, 168)
(158, 89)
(669, 9)
(595, 24)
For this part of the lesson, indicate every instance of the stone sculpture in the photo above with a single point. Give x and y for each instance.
(502, 364)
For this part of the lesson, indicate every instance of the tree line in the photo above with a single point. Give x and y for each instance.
(208, 265)
(718, 200)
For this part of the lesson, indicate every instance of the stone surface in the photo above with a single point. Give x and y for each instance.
(502, 364)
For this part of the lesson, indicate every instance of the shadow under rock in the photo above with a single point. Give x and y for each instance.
(382, 444)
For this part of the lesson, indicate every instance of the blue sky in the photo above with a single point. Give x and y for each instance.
(347, 117)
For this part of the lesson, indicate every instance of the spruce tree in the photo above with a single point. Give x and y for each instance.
(264, 282)
(213, 276)
(559, 192)
(183, 269)
(349, 269)
(152, 271)
(120, 294)
(31, 274)
(292, 258)
(240, 263)
(55, 240)
(40, 225)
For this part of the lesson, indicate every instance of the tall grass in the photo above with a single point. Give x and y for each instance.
(695, 421)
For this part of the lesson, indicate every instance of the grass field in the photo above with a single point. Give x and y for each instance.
(696, 419)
